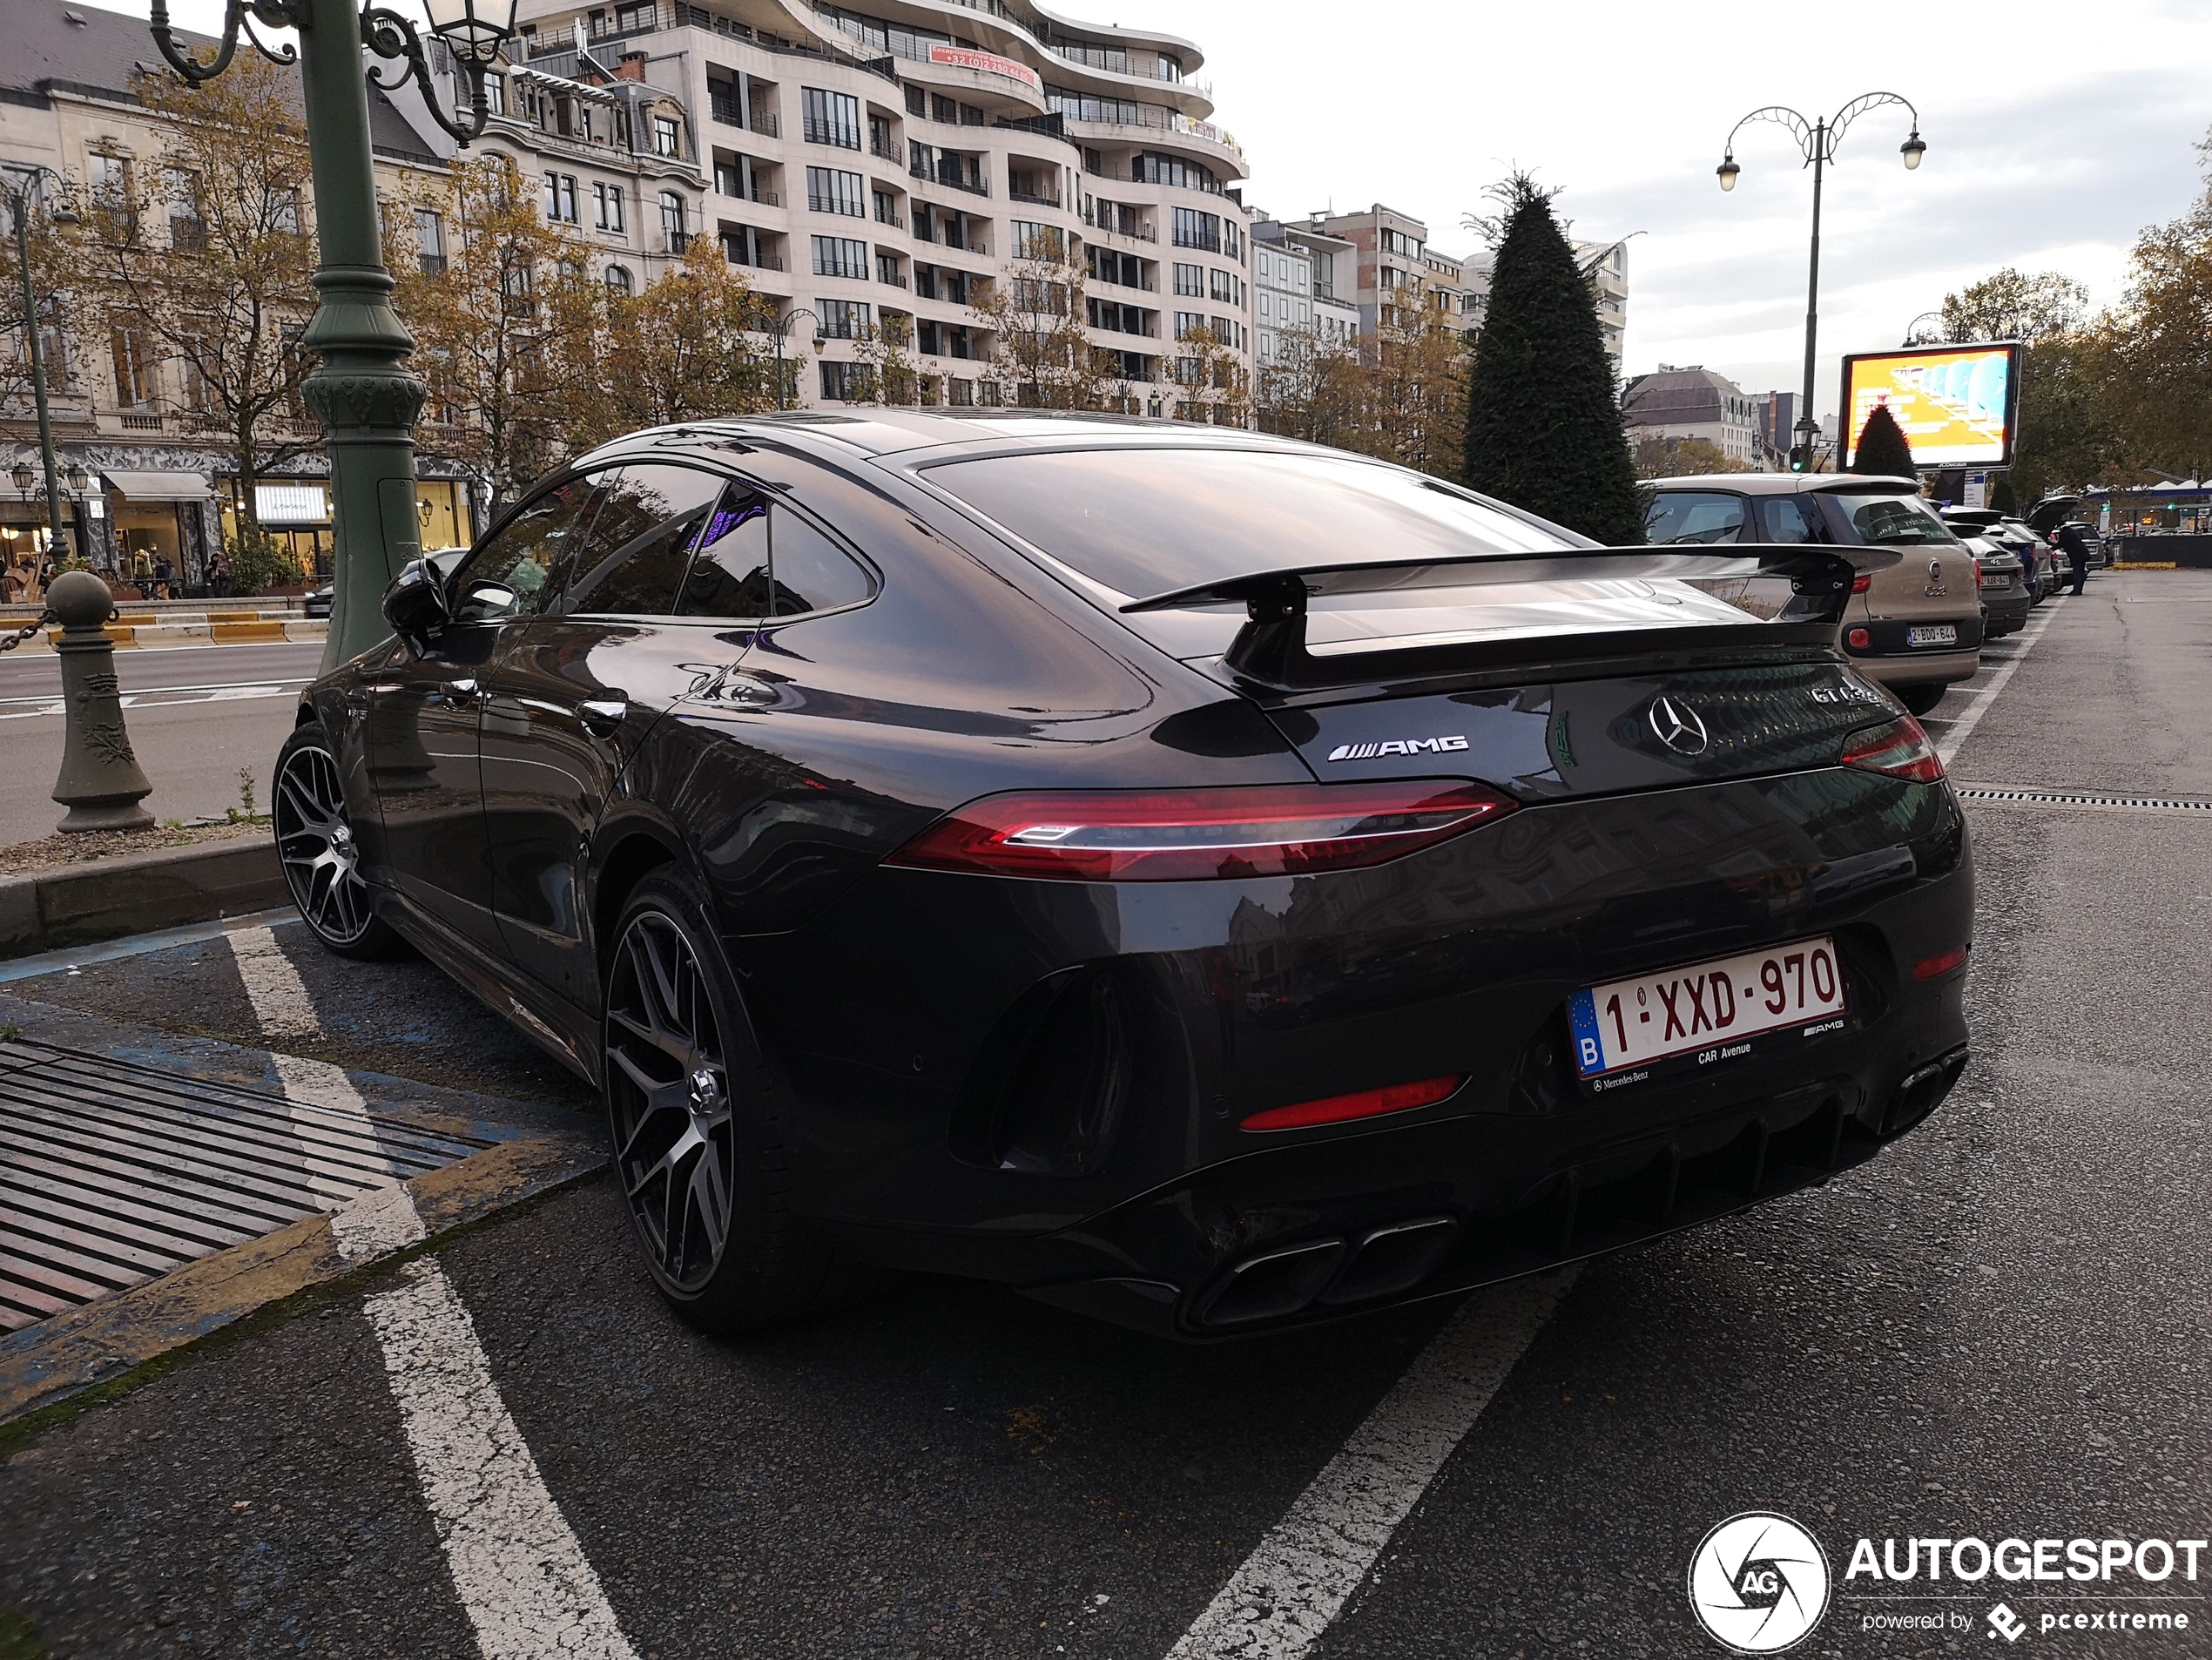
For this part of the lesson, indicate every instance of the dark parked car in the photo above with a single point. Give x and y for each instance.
(1915, 625)
(316, 601)
(1199, 879)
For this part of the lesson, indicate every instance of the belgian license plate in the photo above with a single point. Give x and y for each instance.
(1711, 1009)
(1935, 634)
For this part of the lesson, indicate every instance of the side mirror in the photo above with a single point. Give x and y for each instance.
(415, 606)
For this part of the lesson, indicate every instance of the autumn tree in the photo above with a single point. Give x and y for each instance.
(59, 291)
(692, 345)
(1398, 392)
(1313, 387)
(2152, 355)
(883, 355)
(1035, 315)
(202, 253)
(1662, 457)
(504, 327)
(1544, 426)
(1211, 381)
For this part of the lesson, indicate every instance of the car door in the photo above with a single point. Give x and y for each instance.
(752, 761)
(569, 696)
(422, 713)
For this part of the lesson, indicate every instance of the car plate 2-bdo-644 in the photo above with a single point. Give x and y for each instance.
(1934, 634)
(1711, 1009)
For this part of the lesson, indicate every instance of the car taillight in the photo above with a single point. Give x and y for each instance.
(1364, 1103)
(1859, 639)
(1977, 576)
(1898, 748)
(1862, 582)
(1191, 835)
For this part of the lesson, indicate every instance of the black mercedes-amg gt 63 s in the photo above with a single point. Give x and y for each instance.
(1204, 880)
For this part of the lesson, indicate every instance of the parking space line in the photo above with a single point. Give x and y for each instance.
(1294, 1584)
(517, 1566)
(1947, 746)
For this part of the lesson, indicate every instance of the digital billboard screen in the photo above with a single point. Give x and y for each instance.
(1957, 404)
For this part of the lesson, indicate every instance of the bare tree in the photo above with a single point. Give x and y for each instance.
(1036, 313)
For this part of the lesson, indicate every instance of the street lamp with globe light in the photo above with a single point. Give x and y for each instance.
(360, 390)
(1817, 140)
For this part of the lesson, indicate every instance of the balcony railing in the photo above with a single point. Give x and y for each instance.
(892, 277)
(821, 131)
(885, 151)
(1032, 196)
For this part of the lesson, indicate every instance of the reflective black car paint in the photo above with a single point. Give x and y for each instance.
(781, 760)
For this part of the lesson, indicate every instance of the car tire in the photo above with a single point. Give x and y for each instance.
(319, 855)
(701, 1144)
(1921, 699)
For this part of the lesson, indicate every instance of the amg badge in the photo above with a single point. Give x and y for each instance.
(1396, 747)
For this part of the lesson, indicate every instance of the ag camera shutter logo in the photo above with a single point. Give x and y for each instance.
(1758, 1583)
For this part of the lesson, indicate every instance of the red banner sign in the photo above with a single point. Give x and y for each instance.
(989, 63)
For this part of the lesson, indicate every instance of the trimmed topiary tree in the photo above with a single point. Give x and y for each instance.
(2001, 496)
(1882, 450)
(1544, 427)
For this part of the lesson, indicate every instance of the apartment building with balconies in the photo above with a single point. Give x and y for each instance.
(898, 161)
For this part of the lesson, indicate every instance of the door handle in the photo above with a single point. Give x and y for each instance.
(602, 715)
(458, 693)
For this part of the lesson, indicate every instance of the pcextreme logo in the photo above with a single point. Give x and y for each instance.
(1758, 1583)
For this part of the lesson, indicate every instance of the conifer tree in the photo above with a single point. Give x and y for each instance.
(1882, 450)
(1544, 427)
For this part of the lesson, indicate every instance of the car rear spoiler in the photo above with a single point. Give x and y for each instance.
(1271, 647)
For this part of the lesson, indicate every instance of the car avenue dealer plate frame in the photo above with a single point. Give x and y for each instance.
(1708, 1010)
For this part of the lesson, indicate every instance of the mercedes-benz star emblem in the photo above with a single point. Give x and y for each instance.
(1676, 726)
(1758, 1583)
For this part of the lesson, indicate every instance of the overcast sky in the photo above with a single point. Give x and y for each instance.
(2054, 131)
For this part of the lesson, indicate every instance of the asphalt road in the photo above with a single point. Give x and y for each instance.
(1999, 1329)
(196, 715)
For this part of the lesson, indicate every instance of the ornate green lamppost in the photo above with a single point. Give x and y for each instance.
(361, 390)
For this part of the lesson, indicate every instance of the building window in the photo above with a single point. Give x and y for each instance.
(1190, 279)
(430, 241)
(1084, 106)
(671, 222)
(886, 209)
(1400, 243)
(135, 375)
(1197, 230)
(606, 206)
(831, 190)
(1150, 167)
(886, 270)
(1187, 323)
(917, 100)
(838, 256)
(1228, 288)
(832, 117)
(837, 380)
(1036, 241)
(560, 198)
(668, 136)
(844, 319)
(618, 279)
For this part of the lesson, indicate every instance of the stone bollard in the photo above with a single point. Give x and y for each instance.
(100, 783)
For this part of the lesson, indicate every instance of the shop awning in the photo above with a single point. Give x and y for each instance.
(159, 487)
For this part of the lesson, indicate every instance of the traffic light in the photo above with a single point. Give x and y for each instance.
(1800, 457)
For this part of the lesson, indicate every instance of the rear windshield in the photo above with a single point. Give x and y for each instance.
(1149, 520)
(1899, 520)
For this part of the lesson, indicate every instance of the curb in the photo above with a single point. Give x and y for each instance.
(105, 899)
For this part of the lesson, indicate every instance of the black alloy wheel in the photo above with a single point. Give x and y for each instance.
(668, 1102)
(697, 1126)
(321, 857)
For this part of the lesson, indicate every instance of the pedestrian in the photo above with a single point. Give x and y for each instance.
(218, 578)
(162, 573)
(2077, 550)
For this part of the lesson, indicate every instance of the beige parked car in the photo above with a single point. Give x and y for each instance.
(1915, 627)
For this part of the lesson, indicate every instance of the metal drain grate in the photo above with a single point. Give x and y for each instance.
(2065, 799)
(112, 1172)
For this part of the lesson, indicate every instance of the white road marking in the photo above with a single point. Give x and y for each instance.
(1278, 1604)
(522, 1575)
(279, 997)
(518, 1566)
(1962, 728)
(155, 698)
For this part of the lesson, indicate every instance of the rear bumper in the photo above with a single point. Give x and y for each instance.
(1922, 668)
(906, 1025)
(2007, 612)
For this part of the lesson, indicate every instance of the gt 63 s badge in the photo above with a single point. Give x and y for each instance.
(1758, 1583)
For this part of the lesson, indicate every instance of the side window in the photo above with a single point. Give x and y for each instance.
(633, 560)
(729, 576)
(1694, 515)
(1787, 518)
(763, 558)
(812, 573)
(521, 571)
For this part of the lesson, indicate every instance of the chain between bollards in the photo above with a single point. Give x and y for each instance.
(46, 618)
